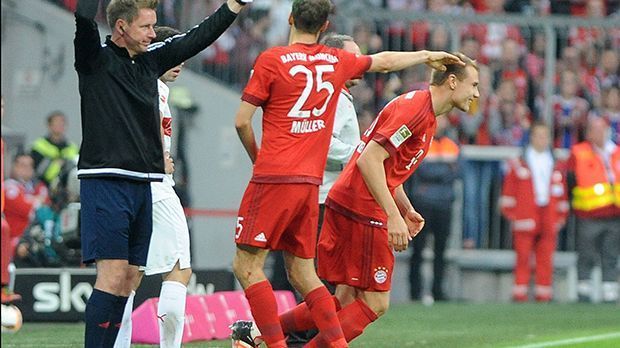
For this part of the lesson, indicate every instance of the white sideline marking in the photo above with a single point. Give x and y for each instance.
(571, 341)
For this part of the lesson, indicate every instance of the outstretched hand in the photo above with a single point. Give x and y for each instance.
(438, 60)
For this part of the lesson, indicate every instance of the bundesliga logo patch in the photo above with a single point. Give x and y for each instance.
(381, 275)
(403, 133)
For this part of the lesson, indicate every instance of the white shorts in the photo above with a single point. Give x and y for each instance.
(170, 238)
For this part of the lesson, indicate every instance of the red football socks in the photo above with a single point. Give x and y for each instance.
(299, 318)
(323, 312)
(265, 312)
(353, 318)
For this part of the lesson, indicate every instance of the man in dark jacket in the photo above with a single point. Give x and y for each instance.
(431, 188)
(121, 150)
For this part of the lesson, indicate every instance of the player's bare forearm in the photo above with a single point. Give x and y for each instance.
(402, 201)
(243, 124)
(393, 61)
(246, 135)
(370, 164)
(413, 219)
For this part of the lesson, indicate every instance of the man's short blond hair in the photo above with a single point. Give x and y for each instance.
(439, 77)
(127, 10)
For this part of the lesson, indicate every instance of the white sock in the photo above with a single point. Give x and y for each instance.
(610, 291)
(171, 314)
(123, 340)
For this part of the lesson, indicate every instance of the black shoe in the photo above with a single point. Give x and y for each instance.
(440, 297)
(296, 339)
(244, 334)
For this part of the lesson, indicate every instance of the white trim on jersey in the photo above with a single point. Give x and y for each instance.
(122, 172)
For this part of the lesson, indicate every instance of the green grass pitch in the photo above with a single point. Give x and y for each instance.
(441, 325)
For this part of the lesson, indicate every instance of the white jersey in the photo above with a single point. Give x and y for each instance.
(163, 190)
(345, 138)
(170, 239)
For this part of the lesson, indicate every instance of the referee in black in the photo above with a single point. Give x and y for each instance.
(121, 150)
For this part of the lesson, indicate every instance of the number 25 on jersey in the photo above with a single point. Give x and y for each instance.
(297, 110)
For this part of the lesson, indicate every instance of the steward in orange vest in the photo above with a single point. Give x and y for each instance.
(594, 182)
(596, 192)
(534, 200)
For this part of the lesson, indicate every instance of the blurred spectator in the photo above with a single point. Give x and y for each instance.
(471, 47)
(431, 190)
(25, 195)
(610, 111)
(366, 37)
(535, 58)
(593, 180)
(608, 73)
(569, 112)
(277, 33)
(168, 13)
(439, 39)
(54, 151)
(590, 84)
(534, 200)
(581, 37)
(509, 118)
(492, 35)
(509, 68)
(5, 239)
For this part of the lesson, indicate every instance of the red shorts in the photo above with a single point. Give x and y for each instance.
(280, 217)
(354, 253)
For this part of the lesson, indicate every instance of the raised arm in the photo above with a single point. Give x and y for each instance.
(243, 123)
(178, 49)
(87, 42)
(370, 164)
(393, 61)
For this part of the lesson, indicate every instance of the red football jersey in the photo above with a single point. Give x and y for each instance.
(297, 87)
(405, 128)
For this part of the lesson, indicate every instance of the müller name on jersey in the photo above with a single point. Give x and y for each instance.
(293, 56)
(307, 126)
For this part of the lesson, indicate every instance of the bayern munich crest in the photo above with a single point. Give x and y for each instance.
(381, 275)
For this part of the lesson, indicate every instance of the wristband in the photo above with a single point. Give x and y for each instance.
(242, 3)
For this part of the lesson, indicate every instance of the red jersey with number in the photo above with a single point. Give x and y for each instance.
(297, 87)
(405, 128)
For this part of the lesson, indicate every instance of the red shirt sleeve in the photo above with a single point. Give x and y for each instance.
(404, 120)
(256, 92)
(354, 65)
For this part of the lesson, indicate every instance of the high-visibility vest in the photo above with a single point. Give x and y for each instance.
(595, 194)
(55, 155)
(443, 149)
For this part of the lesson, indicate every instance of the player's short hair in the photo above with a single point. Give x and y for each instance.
(127, 10)
(163, 32)
(52, 115)
(336, 40)
(310, 15)
(439, 77)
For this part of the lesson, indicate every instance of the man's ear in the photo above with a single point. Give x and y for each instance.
(121, 26)
(290, 19)
(452, 81)
(324, 27)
